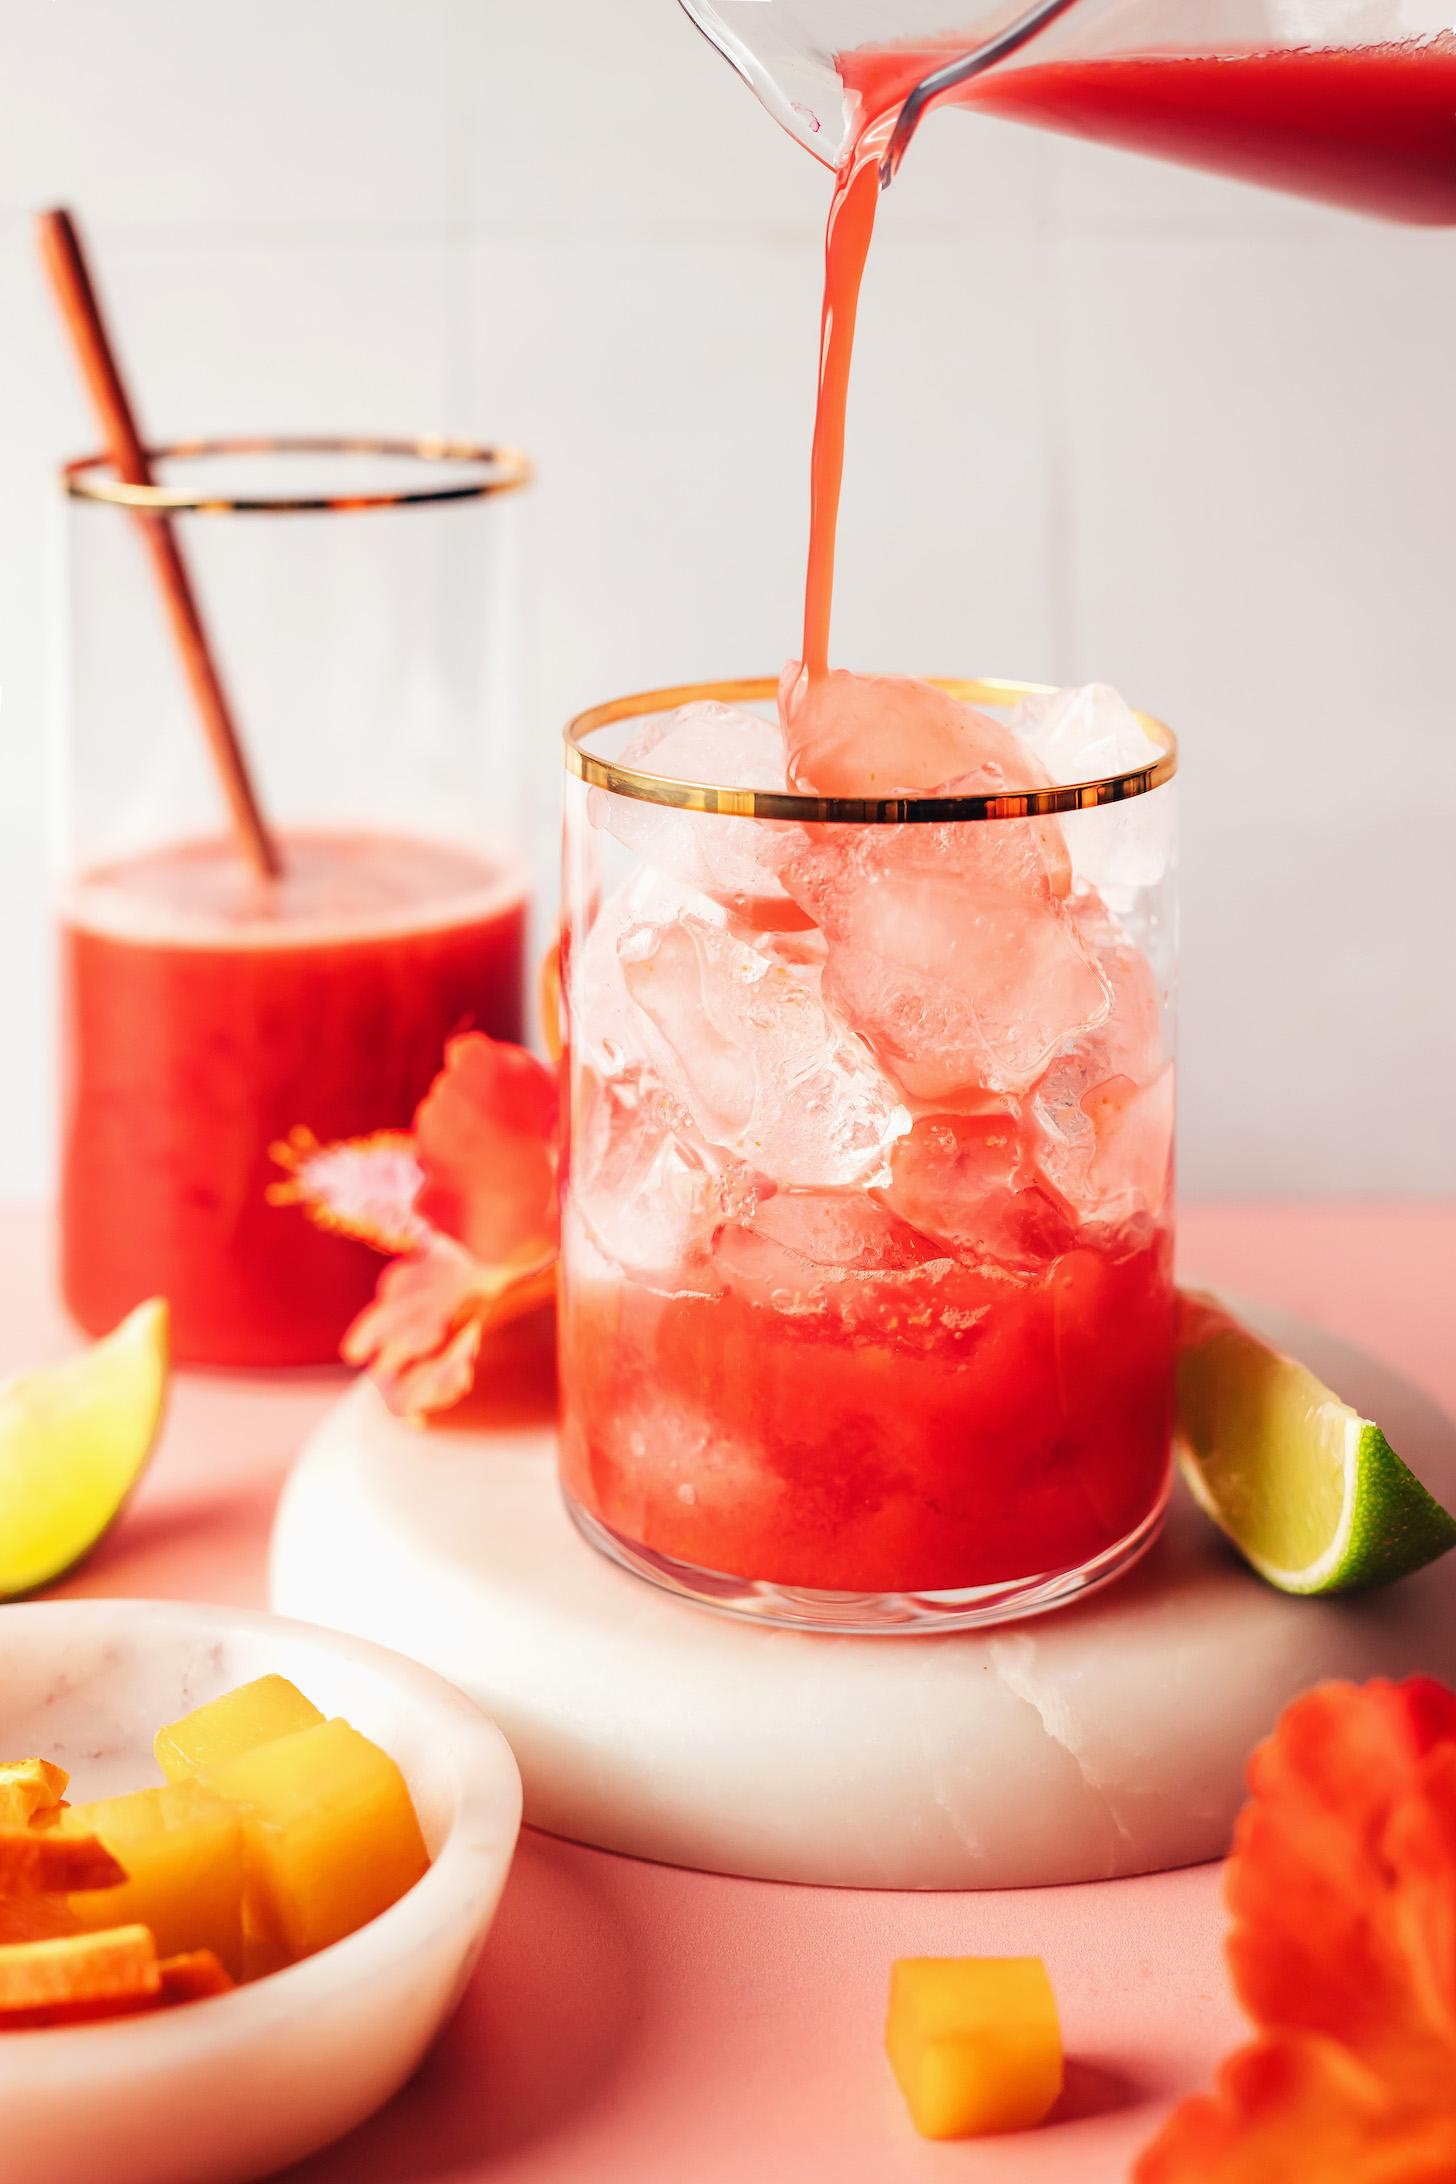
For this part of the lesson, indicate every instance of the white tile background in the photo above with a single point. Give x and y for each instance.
(1109, 420)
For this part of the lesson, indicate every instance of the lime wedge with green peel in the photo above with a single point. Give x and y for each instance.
(73, 1441)
(1311, 1494)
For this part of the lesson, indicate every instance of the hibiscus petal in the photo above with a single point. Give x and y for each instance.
(420, 1337)
(1320, 1941)
(417, 1304)
(1420, 1851)
(1342, 1884)
(416, 1387)
(360, 1187)
(486, 1138)
(1297, 2107)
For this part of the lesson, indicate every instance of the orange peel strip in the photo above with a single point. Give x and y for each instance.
(78, 1976)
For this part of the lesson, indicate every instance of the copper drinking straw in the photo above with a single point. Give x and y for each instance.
(66, 265)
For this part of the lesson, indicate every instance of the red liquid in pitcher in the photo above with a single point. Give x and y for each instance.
(205, 1017)
(1370, 127)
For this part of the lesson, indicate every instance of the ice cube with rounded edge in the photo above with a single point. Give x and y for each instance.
(1066, 1133)
(1107, 1147)
(886, 735)
(989, 780)
(647, 1188)
(1125, 851)
(949, 951)
(1081, 735)
(609, 1032)
(971, 1182)
(1103, 1109)
(734, 861)
(1132, 1168)
(1129, 1040)
(750, 1047)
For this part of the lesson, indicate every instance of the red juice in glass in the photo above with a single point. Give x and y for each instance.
(927, 1427)
(866, 1317)
(206, 1014)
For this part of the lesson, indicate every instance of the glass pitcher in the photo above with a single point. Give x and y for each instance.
(1348, 101)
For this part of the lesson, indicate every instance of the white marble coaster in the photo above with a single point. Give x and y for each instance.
(1107, 1738)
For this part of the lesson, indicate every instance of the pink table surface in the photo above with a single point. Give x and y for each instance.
(633, 2021)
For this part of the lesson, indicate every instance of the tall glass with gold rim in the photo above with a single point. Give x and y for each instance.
(866, 1299)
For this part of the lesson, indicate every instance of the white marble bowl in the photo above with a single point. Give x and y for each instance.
(219, 2091)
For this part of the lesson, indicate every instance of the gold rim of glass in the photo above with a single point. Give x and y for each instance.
(650, 788)
(90, 477)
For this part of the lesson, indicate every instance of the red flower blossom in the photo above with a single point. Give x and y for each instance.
(469, 1199)
(485, 1139)
(1342, 1884)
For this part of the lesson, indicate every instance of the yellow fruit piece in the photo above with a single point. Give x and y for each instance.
(264, 1951)
(28, 1786)
(256, 1713)
(182, 1848)
(974, 2043)
(332, 1839)
(73, 1440)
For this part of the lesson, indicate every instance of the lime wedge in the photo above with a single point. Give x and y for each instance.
(1311, 1494)
(73, 1441)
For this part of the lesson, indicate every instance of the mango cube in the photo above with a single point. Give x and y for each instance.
(29, 1786)
(256, 1713)
(182, 1851)
(331, 1835)
(974, 2043)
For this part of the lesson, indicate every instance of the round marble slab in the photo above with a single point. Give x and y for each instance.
(1107, 1738)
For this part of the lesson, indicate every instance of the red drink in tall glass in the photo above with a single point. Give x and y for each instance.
(866, 1311)
(205, 1016)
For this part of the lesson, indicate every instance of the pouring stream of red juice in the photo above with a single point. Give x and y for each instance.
(1043, 1443)
(1368, 127)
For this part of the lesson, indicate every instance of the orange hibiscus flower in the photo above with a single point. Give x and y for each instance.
(1342, 1885)
(469, 1200)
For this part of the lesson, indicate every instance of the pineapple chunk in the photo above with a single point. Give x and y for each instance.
(182, 1849)
(256, 1713)
(331, 1836)
(974, 2043)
